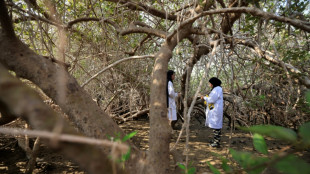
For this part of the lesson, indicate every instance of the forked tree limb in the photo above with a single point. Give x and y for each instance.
(139, 6)
(260, 13)
(17, 57)
(84, 113)
(32, 161)
(21, 100)
(32, 16)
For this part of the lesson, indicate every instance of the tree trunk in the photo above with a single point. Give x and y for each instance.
(19, 99)
(77, 104)
(160, 131)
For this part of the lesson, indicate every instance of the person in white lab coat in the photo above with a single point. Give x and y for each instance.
(214, 110)
(171, 96)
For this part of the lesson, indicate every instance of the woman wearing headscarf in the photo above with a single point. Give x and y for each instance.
(171, 96)
(214, 110)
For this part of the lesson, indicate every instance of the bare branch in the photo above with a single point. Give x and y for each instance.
(150, 31)
(222, 3)
(142, 7)
(64, 137)
(81, 104)
(270, 57)
(183, 24)
(33, 157)
(131, 53)
(257, 12)
(86, 19)
(115, 63)
(254, 11)
(49, 20)
(32, 16)
(33, 3)
(183, 8)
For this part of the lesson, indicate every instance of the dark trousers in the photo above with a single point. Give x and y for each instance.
(217, 136)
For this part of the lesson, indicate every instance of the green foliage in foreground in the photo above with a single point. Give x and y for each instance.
(284, 162)
(117, 138)
(187, 169)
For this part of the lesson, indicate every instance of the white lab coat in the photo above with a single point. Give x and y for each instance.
(172, 109)
(214, 117)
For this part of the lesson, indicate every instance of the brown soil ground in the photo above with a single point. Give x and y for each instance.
(13, 159)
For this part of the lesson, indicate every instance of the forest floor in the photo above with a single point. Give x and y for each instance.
(14, 160)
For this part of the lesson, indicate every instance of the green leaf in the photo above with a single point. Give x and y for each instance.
(225, 166)
(260, 144)
(117, 136)
(213, 169)
(304, 132)
(274, 131)
(248, 160)
(126, 156)
(191, 170)
(308, 98)
(182, 166)
(293, 165)
(128, 136)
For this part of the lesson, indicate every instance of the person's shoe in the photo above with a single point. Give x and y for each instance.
(214, 145)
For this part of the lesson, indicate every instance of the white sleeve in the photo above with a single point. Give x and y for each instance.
(171, 92)
(214, 95)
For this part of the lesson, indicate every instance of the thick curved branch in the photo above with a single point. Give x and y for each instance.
(253, 11)
(78, 104)
(115, 63)
(142, 7)
(22, 100)
(259, 13)
(149, 31)
(87, 19)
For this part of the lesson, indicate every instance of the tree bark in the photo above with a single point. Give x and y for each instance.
(160, 131)
(85, 114)
(21, 100)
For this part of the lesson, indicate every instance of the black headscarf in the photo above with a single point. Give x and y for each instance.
(169, 78)
(215, 82)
